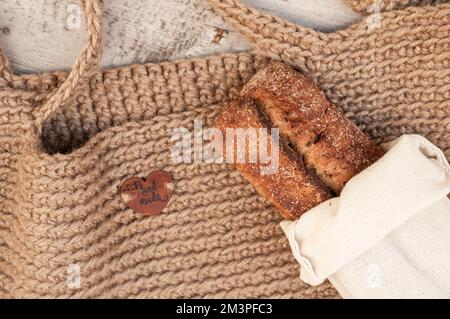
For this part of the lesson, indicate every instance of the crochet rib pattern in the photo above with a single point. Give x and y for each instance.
(68, 141)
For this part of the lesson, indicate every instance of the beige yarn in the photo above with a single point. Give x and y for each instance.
(59, 202)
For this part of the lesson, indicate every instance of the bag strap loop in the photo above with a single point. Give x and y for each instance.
(294, 44)
(87, 62)
(272, 36)
(259, 26)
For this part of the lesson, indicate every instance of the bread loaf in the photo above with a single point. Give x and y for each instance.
(320, 149)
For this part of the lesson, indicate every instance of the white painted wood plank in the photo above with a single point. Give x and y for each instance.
(46, 35)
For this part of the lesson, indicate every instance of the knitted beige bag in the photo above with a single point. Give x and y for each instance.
(68, 141)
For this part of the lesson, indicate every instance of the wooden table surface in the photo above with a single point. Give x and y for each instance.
(45, 35)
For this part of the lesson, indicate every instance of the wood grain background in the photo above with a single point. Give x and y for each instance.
(44, 35)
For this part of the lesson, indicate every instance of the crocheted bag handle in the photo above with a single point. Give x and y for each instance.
(88, 61)
(271, 35)
(277, 38)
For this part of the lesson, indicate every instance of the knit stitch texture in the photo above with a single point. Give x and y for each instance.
(68, 141)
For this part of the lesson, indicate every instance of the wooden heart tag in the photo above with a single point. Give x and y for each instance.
(148, 197)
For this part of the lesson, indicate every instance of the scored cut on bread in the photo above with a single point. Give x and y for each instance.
(331, 144)
(291, 188)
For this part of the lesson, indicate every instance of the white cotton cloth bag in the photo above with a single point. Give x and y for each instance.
(388, 234)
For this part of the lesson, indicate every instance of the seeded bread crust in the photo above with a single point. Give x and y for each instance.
(291, 189)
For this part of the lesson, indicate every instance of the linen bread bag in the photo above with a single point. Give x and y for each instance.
(68, 141)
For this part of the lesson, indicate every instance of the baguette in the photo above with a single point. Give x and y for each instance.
(319, 148)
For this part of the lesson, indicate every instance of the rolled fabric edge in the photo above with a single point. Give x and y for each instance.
(412, 175)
